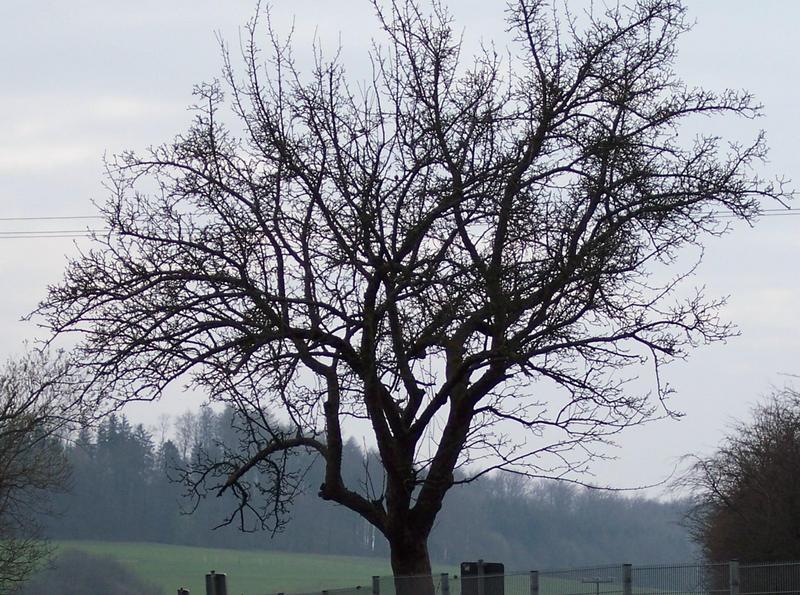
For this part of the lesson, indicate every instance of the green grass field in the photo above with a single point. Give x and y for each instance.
(249, 572)
(268, 572)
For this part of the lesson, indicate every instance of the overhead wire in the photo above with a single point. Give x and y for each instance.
(56, 233)
(52, 218)
(20, 234)
(763, 213)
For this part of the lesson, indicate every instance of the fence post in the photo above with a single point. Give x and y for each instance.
(534, 582)
(376, 585)
(216, 584)
(445, 583)
(733, 573)
(627, 579)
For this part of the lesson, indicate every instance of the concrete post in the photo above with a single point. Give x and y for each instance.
(733, 573)
(216, 584)
(627, 579)
(445, 579)
(534, 582)
(376, 585)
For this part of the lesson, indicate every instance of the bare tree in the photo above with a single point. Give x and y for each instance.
(38, 400)
(471, 257)
(747, 494)
(186, 432)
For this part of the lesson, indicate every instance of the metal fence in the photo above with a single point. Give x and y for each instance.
(731, 578)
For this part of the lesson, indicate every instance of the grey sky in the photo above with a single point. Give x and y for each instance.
(86, 77)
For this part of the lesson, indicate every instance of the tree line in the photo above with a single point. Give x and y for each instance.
(125, 486)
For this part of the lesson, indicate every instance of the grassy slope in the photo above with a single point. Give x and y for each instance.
(268, 572)
(249, 572)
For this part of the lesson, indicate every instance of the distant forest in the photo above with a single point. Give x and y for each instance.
(121, 490)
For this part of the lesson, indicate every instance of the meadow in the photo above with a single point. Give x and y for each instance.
(261, 572)
(249, 572)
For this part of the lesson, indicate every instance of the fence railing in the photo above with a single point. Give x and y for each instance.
(730, 578)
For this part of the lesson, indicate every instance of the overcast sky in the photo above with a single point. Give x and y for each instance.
(84, 78)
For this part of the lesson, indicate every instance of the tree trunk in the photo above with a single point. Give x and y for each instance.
(411, 565)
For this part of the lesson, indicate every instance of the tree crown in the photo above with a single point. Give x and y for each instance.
(448, 252)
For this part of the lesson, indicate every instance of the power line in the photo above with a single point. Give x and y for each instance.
(39, 237)
(58, 218)
(762, 214)
(19, 234)
(47, 231)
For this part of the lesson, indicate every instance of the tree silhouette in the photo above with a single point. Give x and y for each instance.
(747, 493)
(39, 399)
(470, 257)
